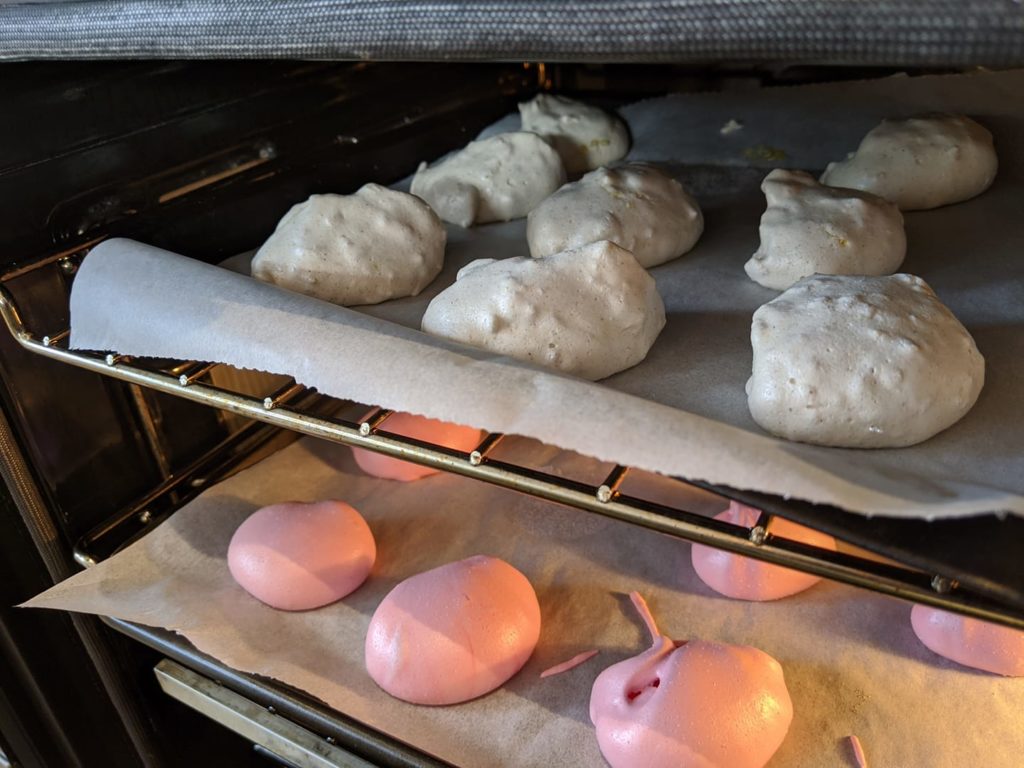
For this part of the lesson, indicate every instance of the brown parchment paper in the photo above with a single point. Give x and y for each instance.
(851, 662)
(683, 410)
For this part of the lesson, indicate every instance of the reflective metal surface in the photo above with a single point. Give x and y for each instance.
(604, 499)
(282, 738)
(300, 708)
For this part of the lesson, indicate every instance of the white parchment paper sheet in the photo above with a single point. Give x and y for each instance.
(851, 662)
(682, 411)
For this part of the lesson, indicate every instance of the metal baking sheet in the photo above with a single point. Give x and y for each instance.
(683, 410)
(851, 661)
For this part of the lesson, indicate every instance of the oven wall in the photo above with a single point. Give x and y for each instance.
(53, 707)
(202, 158)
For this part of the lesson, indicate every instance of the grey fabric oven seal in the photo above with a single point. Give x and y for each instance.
(849, 32)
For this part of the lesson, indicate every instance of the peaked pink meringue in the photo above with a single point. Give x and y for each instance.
(419, 428)
(690, 704)
(744, 578)
(971, 642)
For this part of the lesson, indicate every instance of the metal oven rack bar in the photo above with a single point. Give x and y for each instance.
(269, 712)
(289, 409)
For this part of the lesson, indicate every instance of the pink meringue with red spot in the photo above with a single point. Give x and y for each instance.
(744, 578)
(419, 428)
(297, 555)
(690, 704)
(453, 633)
(971, 642)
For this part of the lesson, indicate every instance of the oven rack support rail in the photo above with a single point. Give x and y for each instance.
(284, 409)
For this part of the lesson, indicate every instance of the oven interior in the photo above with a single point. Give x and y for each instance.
(203, 159)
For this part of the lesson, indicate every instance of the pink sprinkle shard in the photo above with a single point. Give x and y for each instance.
(645, 613)
(858, 752)
(572, 663)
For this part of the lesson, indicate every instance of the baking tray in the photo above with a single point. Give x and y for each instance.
(979, 552)
(851, 661)
(287, 407)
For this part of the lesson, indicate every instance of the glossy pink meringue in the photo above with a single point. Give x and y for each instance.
(569, 664)
(296, 555)
(690, 704)
(747, 579)
(453, 633)
(419, 428)
(971, 642)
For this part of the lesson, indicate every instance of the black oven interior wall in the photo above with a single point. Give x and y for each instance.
(203, 159)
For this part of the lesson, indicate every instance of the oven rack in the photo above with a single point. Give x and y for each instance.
(269, 713)
(290, 408)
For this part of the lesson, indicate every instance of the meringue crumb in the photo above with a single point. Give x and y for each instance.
(572, 663)
(645, 613)
(858, 752)
(764, 153)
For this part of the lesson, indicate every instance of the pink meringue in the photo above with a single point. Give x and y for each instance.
(453, 633)
(690, 704)
(858, 752)
(971, 642)
(419, 428)
(569, 664)
(297, 555)
(747, 579)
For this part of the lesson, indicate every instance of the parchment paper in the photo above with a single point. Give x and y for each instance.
(682, 411)
(851, 662)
